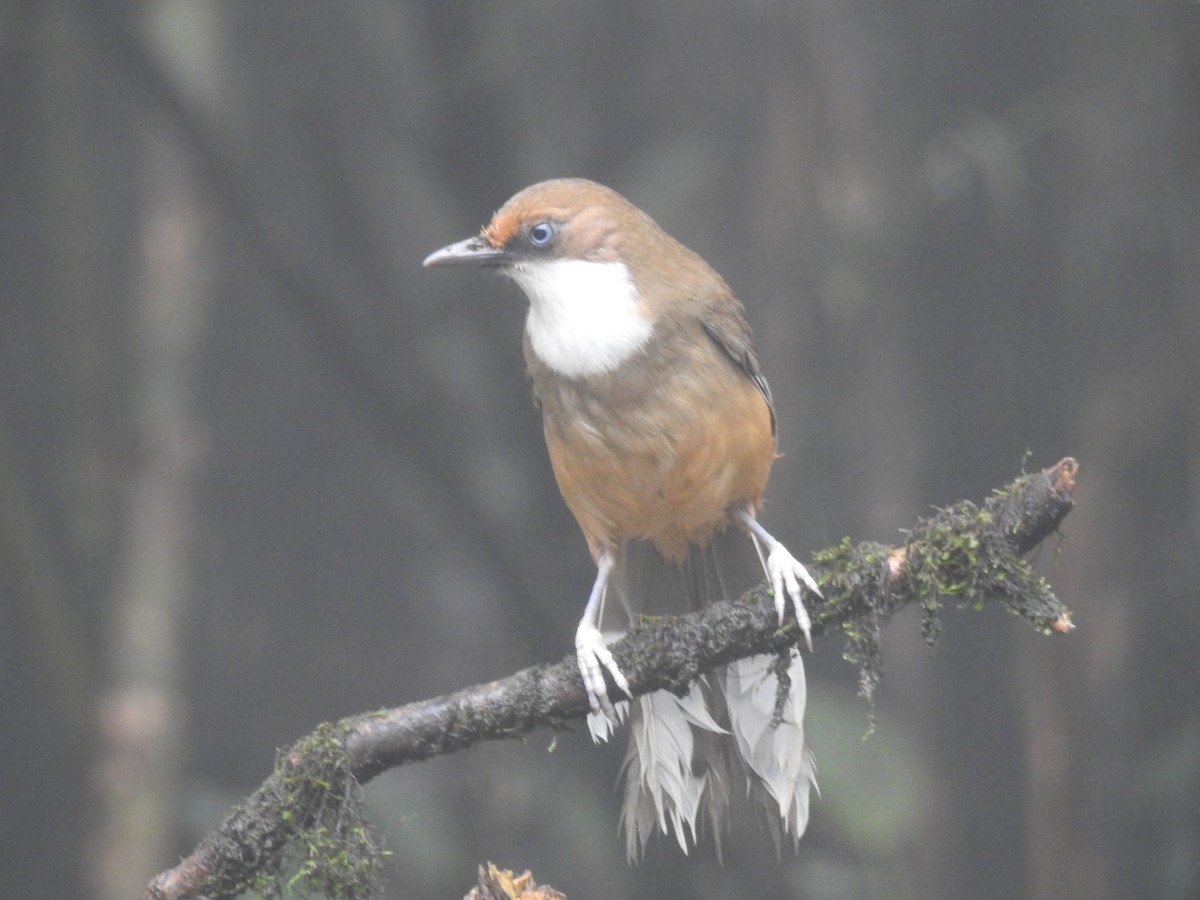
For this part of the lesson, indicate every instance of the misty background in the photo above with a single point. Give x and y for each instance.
(259, 469)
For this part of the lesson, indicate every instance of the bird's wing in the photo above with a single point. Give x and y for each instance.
(732, 335)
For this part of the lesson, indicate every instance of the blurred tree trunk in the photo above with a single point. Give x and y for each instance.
(142, 716)
(66, 253)
(1127, 230)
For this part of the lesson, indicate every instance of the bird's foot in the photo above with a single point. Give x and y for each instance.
(594, 659)
(786, 574)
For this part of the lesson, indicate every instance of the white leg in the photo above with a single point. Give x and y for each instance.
(785, 573)
(594, 657)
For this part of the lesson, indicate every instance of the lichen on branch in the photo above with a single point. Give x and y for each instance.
(307, 816)
(966, 553)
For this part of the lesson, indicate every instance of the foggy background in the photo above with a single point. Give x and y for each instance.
(259, 469)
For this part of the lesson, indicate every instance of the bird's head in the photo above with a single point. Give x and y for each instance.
(598, 272)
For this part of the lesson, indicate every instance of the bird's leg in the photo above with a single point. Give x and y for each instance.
(785, 573)
(590, 650)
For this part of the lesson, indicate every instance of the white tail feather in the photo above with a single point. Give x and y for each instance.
(601, 726)
(661, 787)
(778, 755)
(683, 765)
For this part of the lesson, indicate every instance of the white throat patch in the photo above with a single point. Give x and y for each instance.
(583, 316)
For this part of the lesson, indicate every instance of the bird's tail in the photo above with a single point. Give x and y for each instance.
(727, 736)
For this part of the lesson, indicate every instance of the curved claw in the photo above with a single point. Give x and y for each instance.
(595, 659)
(786, 573)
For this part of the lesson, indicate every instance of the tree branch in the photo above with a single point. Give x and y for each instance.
(307, 813)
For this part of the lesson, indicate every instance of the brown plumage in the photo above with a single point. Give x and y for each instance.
(688, 440)
(664, 447)
(660, 427)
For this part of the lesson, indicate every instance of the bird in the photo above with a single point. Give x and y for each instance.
(661, 433)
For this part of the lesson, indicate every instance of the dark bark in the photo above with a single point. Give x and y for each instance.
(965, 553)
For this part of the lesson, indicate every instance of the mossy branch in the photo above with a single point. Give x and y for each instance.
(306, 814)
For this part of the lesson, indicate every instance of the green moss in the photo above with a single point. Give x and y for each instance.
(854, 580)
(964, 554)
(322, 844)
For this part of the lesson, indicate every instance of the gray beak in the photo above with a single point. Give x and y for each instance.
(474, 251)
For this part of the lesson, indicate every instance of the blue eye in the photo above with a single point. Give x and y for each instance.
(541, 233)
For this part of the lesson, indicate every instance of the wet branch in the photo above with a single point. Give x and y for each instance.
(966, 553)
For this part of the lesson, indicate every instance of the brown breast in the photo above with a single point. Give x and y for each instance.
(663, 448)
